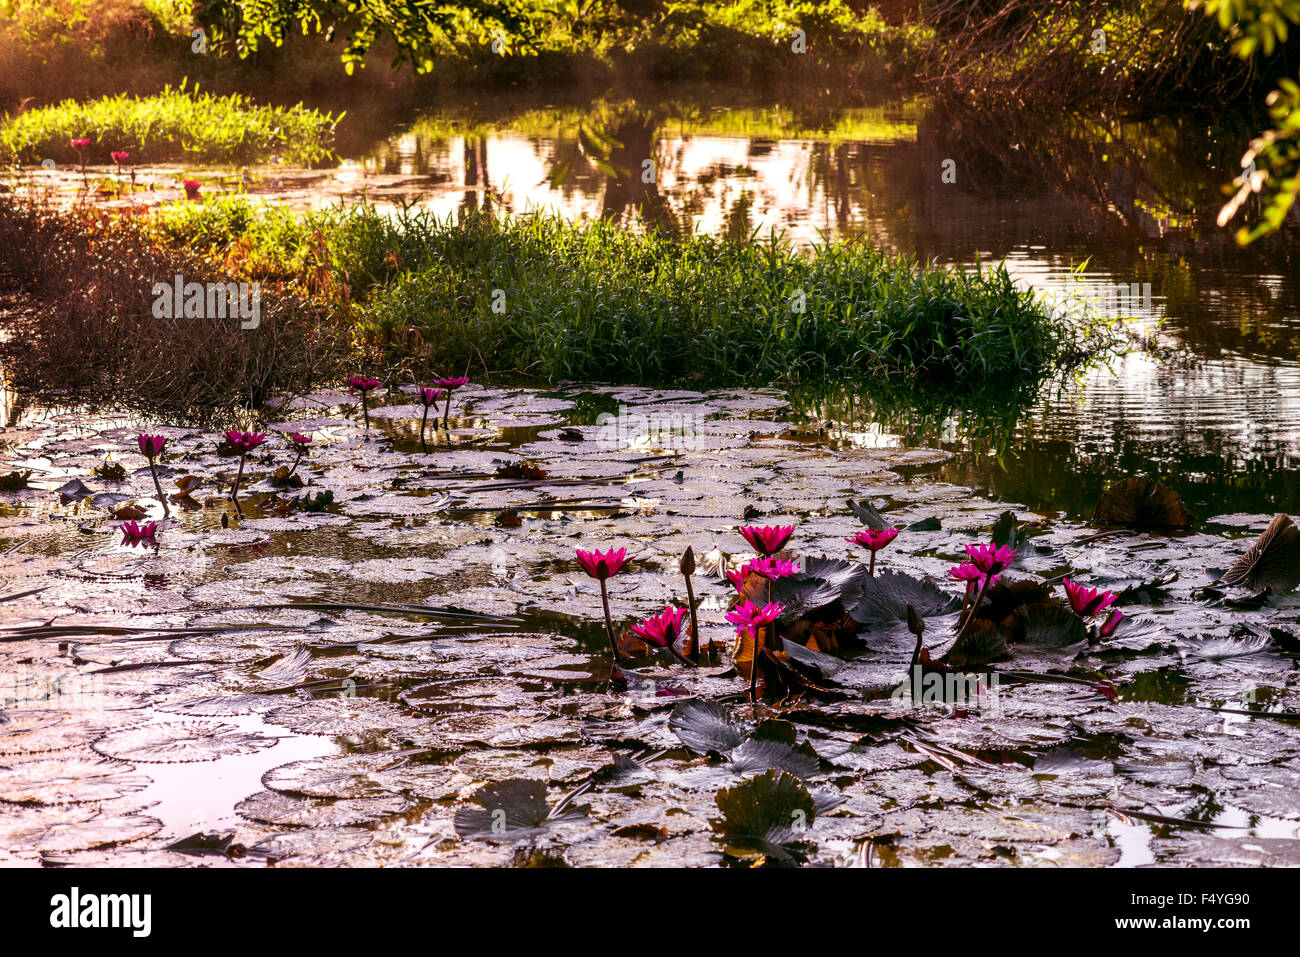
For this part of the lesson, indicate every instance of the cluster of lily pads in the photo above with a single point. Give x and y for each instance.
(151, 446)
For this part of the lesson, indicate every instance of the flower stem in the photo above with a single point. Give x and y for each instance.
(365, 410)
(423, 421)
(234, 491)
(295, 466)
(871, 569)
(753, 664)
(158, 485)
(446, 416)
(609, 621)
(695, 622)
(984, 584)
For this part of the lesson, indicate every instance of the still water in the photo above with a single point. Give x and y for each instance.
(1075, 206)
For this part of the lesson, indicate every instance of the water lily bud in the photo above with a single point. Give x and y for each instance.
(915, 623)
(687, 565)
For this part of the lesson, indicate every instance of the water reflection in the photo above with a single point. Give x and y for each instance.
(1071, 203)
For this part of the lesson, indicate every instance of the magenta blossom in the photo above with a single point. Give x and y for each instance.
(1087, 602)
(151, 446)
(873, 538)
(450, 384)
(191, 188)
(362, 384)
(299, 440)
(428, 398)
(120, 156)
(770, 568)
(80, 144)
(662, 629)
(600, 566)
(133, 534)
(245, 441)
(747, 616)
(767, 540)
(965, 572)
(991, 559)
(737, 578)
(1108, 629)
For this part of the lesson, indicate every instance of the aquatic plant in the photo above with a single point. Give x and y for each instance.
(687, 567)
(662, 631)
(245, 442)
(767, 540)
(428, 398)
(988, 560)
(602, 567)
(134, 534)
(873, 539)
(192, 187)
(176, 125)
(151, 447)
(300, 444)
(1086, 602)
(748, 619)
(769, 568)
(364, 385)
(450, 384)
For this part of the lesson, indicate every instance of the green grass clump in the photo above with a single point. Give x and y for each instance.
(554, 300)
(174, 125)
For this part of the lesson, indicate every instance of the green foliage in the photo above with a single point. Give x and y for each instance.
(1271, 166)
(601, 302)
(174, 125)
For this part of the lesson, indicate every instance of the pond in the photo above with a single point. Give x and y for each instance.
(1077, 206)
(1112, 215)
(349, 682)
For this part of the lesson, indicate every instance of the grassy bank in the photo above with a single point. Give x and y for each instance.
(551, 300)
(174, 125)
(531, 299)
(95, 340)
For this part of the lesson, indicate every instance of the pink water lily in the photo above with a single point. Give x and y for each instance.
(602, 567)
(991, 559)
(151, 447)
(1108, 629)
(662, 629)
(245, 442)
(737, 578)
(767, 540)
(192, 187)
(428, 398)
(770, 568)
(450, 384)
(133, 534)
(748, 618)
(80, 144)
(1087, 602)
(120, 156)
(300, 445)
(873, 539)
(364, 385)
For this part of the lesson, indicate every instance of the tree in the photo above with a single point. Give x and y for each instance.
(1271, 165)
(420, 29)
